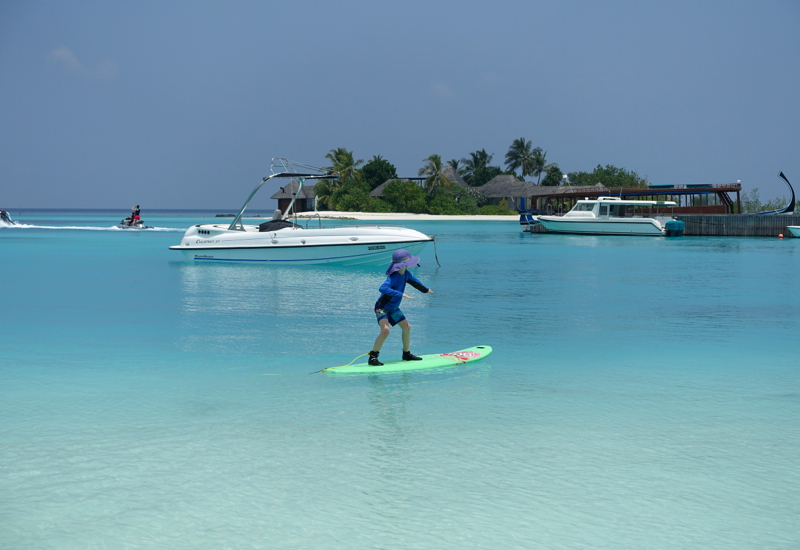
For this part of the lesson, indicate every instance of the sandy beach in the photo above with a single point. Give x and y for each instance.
(383, 216)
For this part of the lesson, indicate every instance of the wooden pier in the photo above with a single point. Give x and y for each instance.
(727, 225)
(737, 225)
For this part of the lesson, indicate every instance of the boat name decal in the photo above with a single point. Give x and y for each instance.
(382, 247)
(210, 241)
(203, 256)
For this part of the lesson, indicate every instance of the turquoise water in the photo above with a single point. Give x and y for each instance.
(643, 393)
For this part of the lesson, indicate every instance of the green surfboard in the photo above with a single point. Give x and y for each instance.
(468, 355)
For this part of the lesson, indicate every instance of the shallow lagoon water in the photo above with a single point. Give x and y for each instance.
(642, 393)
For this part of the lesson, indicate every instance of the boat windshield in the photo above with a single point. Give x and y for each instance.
(583, 207)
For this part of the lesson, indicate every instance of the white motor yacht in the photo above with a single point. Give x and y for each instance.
(281, 241)
(615, 216)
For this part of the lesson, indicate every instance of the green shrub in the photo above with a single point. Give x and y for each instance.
(405, 196)
(497, 209)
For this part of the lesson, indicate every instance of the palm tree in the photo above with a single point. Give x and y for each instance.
(521, 155)
(477, 160)
(344, 163)
(540, 163)
(433, 169)
(323, 191)
(455, 164)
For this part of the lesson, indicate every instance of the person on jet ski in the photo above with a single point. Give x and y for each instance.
(4, 216)
(135, 215)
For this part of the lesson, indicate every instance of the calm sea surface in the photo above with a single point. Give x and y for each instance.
(643, 393)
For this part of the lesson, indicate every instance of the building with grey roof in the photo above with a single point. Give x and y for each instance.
(306, 200)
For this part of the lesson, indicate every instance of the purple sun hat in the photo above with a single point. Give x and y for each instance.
(400, 259)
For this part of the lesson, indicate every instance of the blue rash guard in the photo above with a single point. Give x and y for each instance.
(392, 290)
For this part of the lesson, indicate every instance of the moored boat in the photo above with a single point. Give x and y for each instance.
(282, 242)
(615, 216)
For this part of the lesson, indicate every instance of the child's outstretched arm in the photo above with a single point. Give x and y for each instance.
(416, 283)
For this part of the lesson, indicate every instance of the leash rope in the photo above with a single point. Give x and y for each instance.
(340, 366)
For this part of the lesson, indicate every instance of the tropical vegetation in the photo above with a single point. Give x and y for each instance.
(609, 175)
(751, 203)
(377, 171)
(437, 193)
(433, 169)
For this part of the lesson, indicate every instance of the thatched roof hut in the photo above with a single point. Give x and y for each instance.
(453, 176)
(565, 190)
(505, 186)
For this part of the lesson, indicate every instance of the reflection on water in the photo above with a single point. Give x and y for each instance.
(235, 308)
(236, 289)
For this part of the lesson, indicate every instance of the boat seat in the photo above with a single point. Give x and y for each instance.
(274, 225)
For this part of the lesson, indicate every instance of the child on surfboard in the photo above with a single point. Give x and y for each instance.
(387, 308)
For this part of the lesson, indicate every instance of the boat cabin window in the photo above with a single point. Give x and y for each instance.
(583, 207)
(621, 210)
(604, 210)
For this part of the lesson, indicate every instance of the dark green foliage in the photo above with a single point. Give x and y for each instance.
(405, 196)
(443, 203)
(610, 176)
(353, 196)
(455, 200)
(553, 177)
(484, 174)
(377, 171)
(476, 161)
(323, 191)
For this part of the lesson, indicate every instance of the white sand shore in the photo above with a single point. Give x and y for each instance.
(380, 216)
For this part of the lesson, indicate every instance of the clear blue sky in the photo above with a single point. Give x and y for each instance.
(181, 104)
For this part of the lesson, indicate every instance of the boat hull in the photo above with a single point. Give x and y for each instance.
(794, 230)
(335, 246)
(648, 227)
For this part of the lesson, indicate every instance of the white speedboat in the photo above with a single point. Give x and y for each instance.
(615, 216)
(283, 242)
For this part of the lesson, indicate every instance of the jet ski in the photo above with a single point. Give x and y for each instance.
(4, 217)
(138, 224)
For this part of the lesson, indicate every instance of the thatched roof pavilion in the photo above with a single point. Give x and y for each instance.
(505, 186)
(453, 176)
